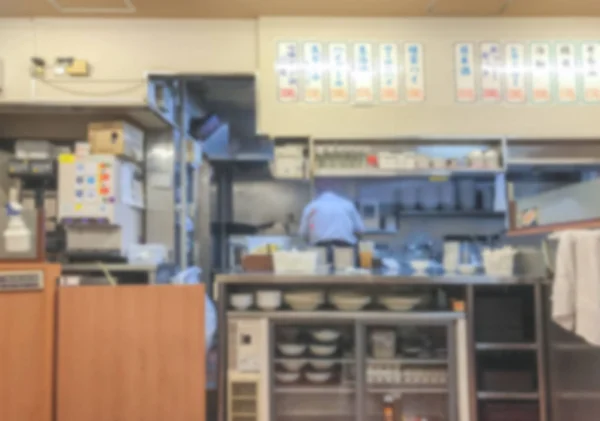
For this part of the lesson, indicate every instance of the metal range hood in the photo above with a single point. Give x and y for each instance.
(220, 147)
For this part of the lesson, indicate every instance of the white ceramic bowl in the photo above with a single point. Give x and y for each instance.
(293, 365)
(399, 303)
(241, 301)
(322, 350)
(291, 350)
(349, 302)
(287, 377)
(325, 335)
(317, 377)
(322, 364)
(268, 300)
(419, 266)
(304, 301)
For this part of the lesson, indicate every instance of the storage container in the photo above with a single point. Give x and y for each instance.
(116, 138)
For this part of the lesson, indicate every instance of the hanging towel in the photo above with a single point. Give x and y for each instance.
(587, 290)
(565, 281)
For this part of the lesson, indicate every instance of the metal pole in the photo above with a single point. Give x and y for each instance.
(181, 157)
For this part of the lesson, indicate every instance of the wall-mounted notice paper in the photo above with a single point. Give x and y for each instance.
(363, 72)
(464, 62)
(389, 86)
(541, 81)
(313, 74)
(590, 57)
(514, 73)
(339, 69)
(491, 71)
(414, 80)
(566, 72)
(287, 71)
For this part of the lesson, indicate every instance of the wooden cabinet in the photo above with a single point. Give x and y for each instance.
(134, 353)
(27, 346)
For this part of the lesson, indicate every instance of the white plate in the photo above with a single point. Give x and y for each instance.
(293, 365)
(287, 377)
(325, 335)
(322, 350)
(291, 350)
(318, 377)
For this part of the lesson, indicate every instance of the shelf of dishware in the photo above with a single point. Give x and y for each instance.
(500, 346)
(271, 300)
(508, 396)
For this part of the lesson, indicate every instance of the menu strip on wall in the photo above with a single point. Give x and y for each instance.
(491, 68)
(566, 72)
(363, 72)
(287, 71)
(389, 87)
(414, 82)
(313, 73)
(590, 57)
(541, 82)
(514, 73)
(339, 69)
(464, 65)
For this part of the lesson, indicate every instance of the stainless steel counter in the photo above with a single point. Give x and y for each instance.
(271, 278)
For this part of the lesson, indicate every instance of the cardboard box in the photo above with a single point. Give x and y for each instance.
(116, 138)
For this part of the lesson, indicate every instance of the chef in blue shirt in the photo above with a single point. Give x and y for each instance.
(331, 221)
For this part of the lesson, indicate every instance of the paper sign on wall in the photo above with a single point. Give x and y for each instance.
(514, 73)
(491, 67)
(566, 72)
(363, 72)
(464, 61)
(389, 88)
(313, 74)
(541, 81)
(414, 81)
(287, 71)
(590, 55)
(339, 86)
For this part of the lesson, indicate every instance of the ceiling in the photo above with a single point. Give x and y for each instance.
(255, 8)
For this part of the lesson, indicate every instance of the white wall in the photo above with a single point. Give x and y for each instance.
(439, 115)
(120, 51)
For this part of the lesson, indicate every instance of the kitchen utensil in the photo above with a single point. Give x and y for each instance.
(369, 211)
(476, 159)
(383, 344)
(322, 350)
(295, 262)
(466, 194)
(325, 335)
(322, 364)
(293, 365)
(287, 377)
(291, 350)
(343, 258)
(268, 300)
(467, 269)
(447, 191)
(241, 301)
(305, 300)
(429, 195)
(491, 159)
(317, 376)
(419, 266)
(399, 303)
(349, 301)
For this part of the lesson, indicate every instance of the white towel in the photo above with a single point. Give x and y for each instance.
(587, 290)
(565, 281)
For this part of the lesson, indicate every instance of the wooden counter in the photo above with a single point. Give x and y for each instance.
(131, 353)
(27, 347)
